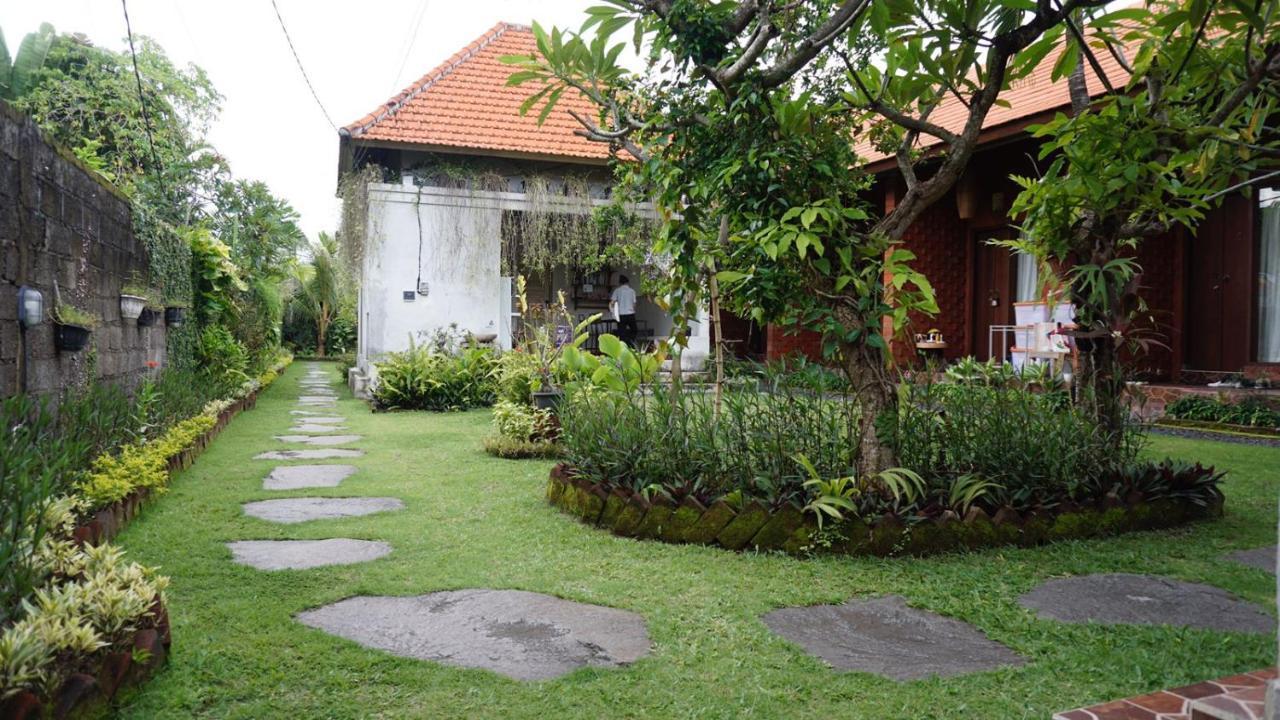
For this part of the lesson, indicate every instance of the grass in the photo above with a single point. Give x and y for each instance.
(472, 520)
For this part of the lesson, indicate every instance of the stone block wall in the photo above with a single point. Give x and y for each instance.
(60, 222)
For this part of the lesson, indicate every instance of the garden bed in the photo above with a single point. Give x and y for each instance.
(1208, 426)
(787, 528)
(90, 688)
(107, 522)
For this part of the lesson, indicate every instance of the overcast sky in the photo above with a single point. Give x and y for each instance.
(357, 55)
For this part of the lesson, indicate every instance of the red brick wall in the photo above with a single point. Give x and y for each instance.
(783, 341)
(938, 238)
(1161, 276)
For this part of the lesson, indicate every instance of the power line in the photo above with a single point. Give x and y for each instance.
(301, 69)
(142, 99)
(409, 42)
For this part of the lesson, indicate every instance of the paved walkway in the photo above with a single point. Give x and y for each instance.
(523, 635)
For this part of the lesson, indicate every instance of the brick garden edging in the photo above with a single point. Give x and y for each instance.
(790, 530)
(82, 692)
(132, 662)
(107, 522)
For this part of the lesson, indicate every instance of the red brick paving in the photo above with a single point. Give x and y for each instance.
(1230, 698)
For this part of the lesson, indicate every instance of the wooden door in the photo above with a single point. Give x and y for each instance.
(992, 291)
(1220, 293)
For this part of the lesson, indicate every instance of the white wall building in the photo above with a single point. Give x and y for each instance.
(434, 247)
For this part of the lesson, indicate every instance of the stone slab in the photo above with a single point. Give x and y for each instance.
(885, 637)
(316, 416)
(316, 428)
(319, 439)
(309, 454)
(522, 635)
(1127, 599)
(295, 477)
(1263, 558)
(296, 510)
(304, 554)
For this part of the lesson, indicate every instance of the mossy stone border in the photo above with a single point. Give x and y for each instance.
(788, 529)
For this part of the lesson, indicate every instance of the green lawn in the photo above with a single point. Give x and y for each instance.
(476, 521)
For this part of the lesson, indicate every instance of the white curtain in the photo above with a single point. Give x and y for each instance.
(1269, 279)
(1028, 277)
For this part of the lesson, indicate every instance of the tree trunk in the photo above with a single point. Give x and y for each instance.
(322, 330)
(716, 329)
(865, 368)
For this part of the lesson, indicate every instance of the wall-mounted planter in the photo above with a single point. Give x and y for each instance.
(148, 317)
(70, 338)
(175, 316)
(755, 526)
(131, 306)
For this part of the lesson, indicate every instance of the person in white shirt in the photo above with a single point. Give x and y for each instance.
(623, 305)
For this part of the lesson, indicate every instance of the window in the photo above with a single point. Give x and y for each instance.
(1026, 278)
(1269, 276)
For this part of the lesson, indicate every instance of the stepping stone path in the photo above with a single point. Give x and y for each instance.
(316, 416)
(320, 439)
(296, 510)
(296, 477)
(316, 428)
(886, 637)
(1263, 558)
(1125, 599)
(317, 399)
(522, 635)
(303, 554)
(309, 454)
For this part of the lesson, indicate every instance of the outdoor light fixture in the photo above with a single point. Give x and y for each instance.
(30, 306)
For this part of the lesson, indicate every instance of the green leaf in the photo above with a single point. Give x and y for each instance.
(30, 58)
(610, 345)
(551, 103)
(1066, 62)
(730, 276)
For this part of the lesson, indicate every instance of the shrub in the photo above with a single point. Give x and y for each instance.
(1032, 448)
(1253, 412)
(223, 359)
(518, 374)
(523, 423)
(513, 449)
(140, 465)
(424, 378)
(660, 440)
(91, 601)
(35, 459)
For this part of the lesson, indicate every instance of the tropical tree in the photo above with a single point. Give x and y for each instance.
(744, 123)
(321, 287)
(17, 73)
(1194, 122)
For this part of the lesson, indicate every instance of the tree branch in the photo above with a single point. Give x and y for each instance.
(845, 15)
(917, 125)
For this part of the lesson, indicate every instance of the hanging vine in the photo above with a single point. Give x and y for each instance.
(353, 225)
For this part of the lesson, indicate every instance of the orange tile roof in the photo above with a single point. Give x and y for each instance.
(1033, 95)
(465, 104)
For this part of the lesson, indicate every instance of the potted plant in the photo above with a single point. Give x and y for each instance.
(133, 300)
(71, 328)
(175, 313)
(544, 337)
(150, 314)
